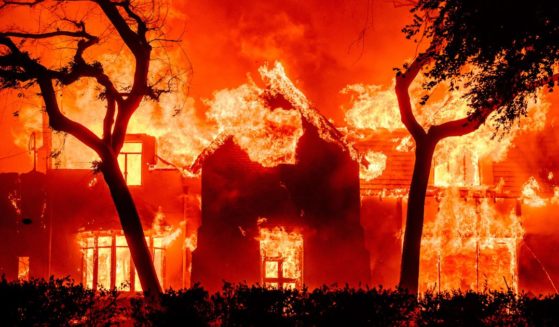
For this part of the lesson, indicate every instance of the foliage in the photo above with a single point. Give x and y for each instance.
(498, 51)
(56, 302)
(60, 302)
(192, 306)
(242, 305)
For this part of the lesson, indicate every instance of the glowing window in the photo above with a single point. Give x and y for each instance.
(282, 258)
(23, 268)
(459, 170)
(130, 162)
(106, 261)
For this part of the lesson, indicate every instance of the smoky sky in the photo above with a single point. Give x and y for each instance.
(324, 46)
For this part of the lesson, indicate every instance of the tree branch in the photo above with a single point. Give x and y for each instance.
(463, 126)
(32, 70)
(472, 122)
(403, 82)
(119, 130)
(6, 3)
(109, 120)
(132, 40)
(78, 34)
(142, 28)
(137, 43)
(58, 121)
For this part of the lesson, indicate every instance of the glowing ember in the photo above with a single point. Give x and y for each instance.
(282, 258)
(14, 201)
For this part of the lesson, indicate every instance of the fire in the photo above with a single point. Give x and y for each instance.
(530, 195)
(457, 159)
(165, 233)
(282, 258)
(531, 190)
(268, 135)
(373, 107)
(376, 165)
(279, 83)
(469, 245)
(106, 258)
(191, 242)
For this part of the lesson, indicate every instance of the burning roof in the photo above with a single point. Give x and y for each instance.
(267, 122)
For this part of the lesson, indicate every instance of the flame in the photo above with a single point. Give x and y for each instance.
(165, 234)
(100, 245)
(191, 242)
(282, 257)
(169, 238)
(530, 195)
(406, 144)
(456, 159)
(376, 165)
(469, 245)
(373, 108)
(278, 83)
(23, 268)
(268, 135)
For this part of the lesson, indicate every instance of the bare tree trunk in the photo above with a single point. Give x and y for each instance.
(132, 227)
(409, 271)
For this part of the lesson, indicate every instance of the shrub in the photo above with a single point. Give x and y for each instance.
(60, 302)
(55, 302)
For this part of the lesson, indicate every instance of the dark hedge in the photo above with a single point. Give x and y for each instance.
(60, 302)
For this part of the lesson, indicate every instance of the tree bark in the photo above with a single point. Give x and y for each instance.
(409, 270)
(132, 227)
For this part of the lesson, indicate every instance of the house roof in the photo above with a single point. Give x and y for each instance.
(272, 97)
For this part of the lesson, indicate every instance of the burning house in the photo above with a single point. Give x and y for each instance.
(282, 198)
(310, 209)
(480, 226)
(281, 221)
(61, 222)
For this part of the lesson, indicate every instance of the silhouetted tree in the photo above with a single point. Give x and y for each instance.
(499, 54)
(19, 69)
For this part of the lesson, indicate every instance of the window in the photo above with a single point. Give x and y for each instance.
(130, 162)
(461, 170)
(106, 261)
(282, 258)
(23, 268)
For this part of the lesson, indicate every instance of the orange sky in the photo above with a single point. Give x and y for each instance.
(317, 41)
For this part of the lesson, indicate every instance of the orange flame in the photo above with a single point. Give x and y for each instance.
(469, 245)
(530, 191)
